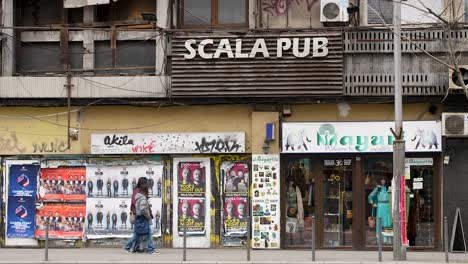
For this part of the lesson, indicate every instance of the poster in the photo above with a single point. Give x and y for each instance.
(192, 209)
(156, 209)
(235, 216)
(266, 201)
(23, 180)
(191, 179)
(235, 178)
(21, 214)
(119, 181)
(66, 220)
(63, 184)
(108, 218)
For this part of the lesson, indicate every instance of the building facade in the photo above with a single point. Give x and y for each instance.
(292, 100)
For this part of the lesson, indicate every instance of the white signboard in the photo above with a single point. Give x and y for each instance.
(419, 161)
(349, 137)
(160, 143)
(266, 214)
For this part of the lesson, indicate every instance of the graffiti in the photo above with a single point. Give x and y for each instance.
(280, 7)
(57, 146)
(217, 145)
(145, 148)
(11, 144)
(116, 140)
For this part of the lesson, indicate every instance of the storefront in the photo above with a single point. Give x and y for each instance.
(340, 174)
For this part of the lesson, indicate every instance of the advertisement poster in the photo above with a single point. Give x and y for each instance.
(23, 180)
(66, 220)
(108, 218)
(21, 214)
(193, 210)
(266, 201)
(119, 181)
(235, 216)
(64, 184)
(156, 209)
(235, 178)
(191, 179)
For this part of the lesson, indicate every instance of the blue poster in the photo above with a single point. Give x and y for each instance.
(21, 215)
(23, 180)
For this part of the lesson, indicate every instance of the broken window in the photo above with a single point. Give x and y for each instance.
(125, 10)
(213, 13)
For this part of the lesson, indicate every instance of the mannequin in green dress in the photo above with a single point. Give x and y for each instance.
(379, 198)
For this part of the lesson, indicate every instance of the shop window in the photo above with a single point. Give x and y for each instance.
(213, 13)
(419, 202)
(300, 202)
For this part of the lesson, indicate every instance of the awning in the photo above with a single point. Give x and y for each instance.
(81, 3)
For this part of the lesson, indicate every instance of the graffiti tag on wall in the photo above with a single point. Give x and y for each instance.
(10, 144)
(281, 7)
(190, 143)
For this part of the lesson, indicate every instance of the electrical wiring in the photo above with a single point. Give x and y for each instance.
(70, 52)
(106, 86)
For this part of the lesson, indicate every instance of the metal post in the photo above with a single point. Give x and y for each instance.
(185, 239)
(446, 245)
(379, 237)
(398, 144)
(47, 239)
(248, 238)
(313, 239)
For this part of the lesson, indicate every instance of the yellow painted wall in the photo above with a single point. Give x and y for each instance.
(42, 130)
(259, 121)
(360, 112)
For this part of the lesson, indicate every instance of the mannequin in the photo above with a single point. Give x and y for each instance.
(380, 201)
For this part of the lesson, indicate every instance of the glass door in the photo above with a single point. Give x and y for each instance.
(337, 202)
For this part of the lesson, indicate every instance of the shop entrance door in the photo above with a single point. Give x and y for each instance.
(319, 189)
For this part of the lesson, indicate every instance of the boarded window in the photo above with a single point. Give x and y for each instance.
(378, 9)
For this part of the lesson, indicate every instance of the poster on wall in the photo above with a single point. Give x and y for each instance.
(156, 210)
(119, 181)
(191, 179)
(63, 184)
(235, 216)
(108, 218)
(235, 178)
(193, 211)
(21, 215)
(265, 201)
(23, 180)
(67, 220)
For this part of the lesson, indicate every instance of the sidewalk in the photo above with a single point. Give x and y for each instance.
(212, 256)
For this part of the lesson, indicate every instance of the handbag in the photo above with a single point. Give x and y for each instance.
(141, 225)
(371, 219)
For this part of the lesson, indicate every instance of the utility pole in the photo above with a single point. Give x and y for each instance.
(398, 144)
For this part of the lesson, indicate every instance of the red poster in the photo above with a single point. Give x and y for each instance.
(404, 239)
(64, 184)
(191, 178)
(66, 220)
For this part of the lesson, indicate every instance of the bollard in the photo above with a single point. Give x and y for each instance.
(248, 238)
(185, 238)
(446, 245)
(313, 239)
(46, 258)
(379, 237)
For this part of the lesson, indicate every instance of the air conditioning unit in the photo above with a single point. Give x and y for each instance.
(334, 11)
(455, 124)
(454, 82)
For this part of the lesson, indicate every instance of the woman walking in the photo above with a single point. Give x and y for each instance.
(143, 209)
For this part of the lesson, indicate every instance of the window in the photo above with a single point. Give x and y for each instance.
(213, 13)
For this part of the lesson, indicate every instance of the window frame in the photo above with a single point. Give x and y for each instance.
(214, 18)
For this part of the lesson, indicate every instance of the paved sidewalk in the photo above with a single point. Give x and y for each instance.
(213, 256)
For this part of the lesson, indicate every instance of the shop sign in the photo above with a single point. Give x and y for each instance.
(419, 161)
(301, 48)
(160, 143)
(359, 137)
